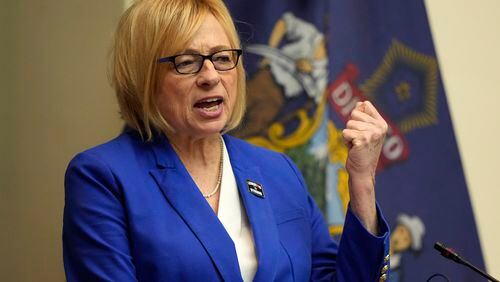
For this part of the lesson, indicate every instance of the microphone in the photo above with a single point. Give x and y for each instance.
(450, 254)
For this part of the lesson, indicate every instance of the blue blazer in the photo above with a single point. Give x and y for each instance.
(133, 213)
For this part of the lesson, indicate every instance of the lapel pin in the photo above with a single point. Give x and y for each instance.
(255, 188)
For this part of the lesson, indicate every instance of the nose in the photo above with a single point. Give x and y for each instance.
(208, 75)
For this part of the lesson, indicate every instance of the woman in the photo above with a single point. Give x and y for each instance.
(175, 199)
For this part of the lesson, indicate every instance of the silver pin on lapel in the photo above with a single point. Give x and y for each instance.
(255, 188)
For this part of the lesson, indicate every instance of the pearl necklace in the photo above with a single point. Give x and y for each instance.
(219, 177)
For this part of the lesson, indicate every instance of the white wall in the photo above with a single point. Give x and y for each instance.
(467, 39)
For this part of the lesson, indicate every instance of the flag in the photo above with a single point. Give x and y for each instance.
(308, 63)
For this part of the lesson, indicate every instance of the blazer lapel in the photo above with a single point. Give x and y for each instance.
(260, 214)
(182, 193)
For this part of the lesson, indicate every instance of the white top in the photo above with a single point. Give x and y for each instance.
(233, 216)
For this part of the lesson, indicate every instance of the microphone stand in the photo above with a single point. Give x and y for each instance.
(450, 254)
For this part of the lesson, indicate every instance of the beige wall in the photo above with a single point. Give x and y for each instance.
(467, 39)
(56, 101)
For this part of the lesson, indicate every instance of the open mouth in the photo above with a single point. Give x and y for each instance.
(209, 104)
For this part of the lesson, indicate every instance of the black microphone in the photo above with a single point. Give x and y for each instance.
(450, 254)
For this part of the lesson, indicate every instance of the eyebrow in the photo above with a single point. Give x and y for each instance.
(211, 50)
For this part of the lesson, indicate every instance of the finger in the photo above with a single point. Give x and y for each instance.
(371, 110)
(362, 116)
(373, 136)
(359, 107)
(375, 118)
(354, 137)
(348, 135)
(359, 125)
(347, 139)
(379, 120)
(347, 143)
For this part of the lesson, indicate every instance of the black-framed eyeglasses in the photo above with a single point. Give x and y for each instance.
(222, 60)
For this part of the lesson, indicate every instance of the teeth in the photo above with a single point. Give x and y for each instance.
(211, 109)
(209, 104)
(211, 100)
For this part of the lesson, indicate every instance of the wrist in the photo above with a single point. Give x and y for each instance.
(362, 200)
(365, 175)
(366, 212)
(362, 180)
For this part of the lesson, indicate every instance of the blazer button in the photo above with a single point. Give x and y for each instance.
(386, 258)
(384, 269)
(383, 278)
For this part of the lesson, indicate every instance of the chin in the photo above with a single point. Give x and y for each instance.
(211, 129)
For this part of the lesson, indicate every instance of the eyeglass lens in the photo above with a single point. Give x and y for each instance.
(192, 63)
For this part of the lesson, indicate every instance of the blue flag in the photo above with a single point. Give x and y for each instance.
(308, 63)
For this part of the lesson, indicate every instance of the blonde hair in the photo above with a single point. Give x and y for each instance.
(149, 30)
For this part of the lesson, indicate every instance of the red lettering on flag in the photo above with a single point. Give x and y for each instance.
(343, 94)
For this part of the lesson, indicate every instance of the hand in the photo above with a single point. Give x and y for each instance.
(364, 136)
